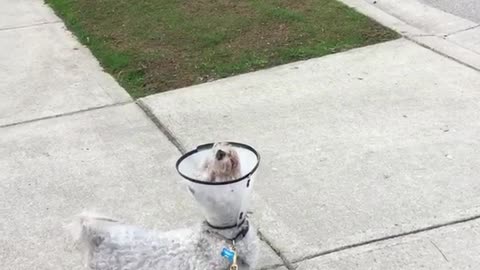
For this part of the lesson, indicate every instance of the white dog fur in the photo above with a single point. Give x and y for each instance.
(110, 245)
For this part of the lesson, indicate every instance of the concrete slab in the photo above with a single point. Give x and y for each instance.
(469, 9)
(424, 17)
(404, 20)
(452, 247)
(356, 146)
(268, 258)
(450, 49)
(46, 72)
(21, 13)
(114, 160)
(469, 39)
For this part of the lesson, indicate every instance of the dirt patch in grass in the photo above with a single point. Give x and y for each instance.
(151, 46)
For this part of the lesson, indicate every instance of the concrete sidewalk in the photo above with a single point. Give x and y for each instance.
(469, 9)
(369, 157)
(72, 139)
(455, 37)
(366, 145)
(44, 71)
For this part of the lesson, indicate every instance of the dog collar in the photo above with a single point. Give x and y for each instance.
(241, 234)
(244, 228)
(226, 227)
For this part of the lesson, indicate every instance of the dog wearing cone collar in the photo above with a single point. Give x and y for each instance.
(108, 244)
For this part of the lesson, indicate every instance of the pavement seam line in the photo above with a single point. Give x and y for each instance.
(64, 114)
(286, 263)
(381, 239)
(421, 35)
(462, 30)
(382, 17)
(444, 54)
(162, 127)
(28, 26)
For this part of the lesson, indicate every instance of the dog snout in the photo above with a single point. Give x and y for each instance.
(220, 155)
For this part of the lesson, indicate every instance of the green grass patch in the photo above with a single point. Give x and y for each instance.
(151, 46)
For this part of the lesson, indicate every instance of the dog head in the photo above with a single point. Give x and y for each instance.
(224, 163)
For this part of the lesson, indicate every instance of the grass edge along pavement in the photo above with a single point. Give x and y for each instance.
(153, 46)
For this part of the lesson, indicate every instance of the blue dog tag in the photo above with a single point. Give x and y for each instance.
(228, 253)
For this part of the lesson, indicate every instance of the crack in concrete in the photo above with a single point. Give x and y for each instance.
(381, 239)
(64, 114)
(435, 245)
(28, 26)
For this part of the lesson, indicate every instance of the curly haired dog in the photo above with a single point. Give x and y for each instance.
(111, 245)
(108, 244)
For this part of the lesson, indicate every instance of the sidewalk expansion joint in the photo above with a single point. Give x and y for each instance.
(286, 263)
(462, 30)
(390, 237)
(421, 35)
(28, 26)
(412, 31)
(64, 114)
(444, 54)
(163, 128)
